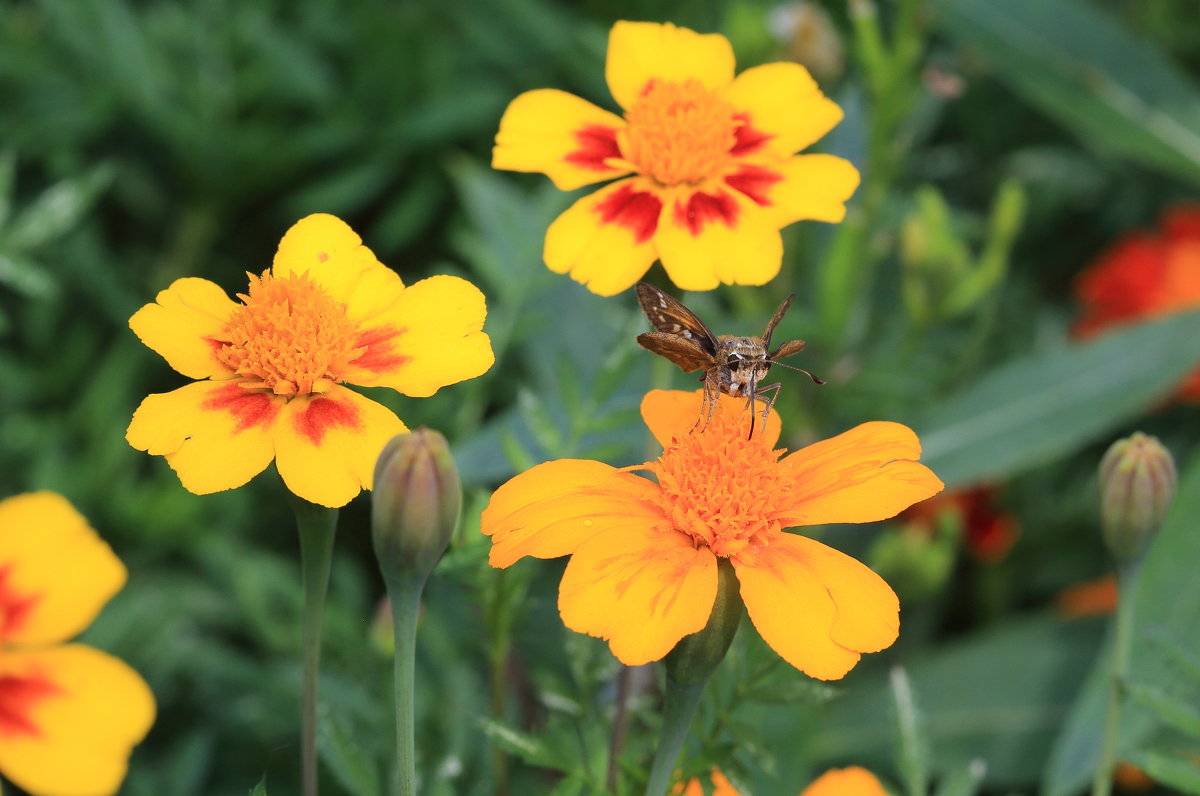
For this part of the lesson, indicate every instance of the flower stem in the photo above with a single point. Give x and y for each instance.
(405, 598)
(1127, 577)
(316, 526)
(681, 703)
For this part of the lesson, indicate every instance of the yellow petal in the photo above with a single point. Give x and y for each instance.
(606, 240)
(641, 589)
(813, 187)
(79, 714)
(55, 572)
(783, 110)
(670, 414)
(326, 445)
(568, 139)
(717, 236)
(430, 337)
(216, 435)
(639, 52)
(866, 474)
(182, 324)
(549, 510)
(851, 781)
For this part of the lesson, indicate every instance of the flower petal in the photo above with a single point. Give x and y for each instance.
(782, 109)
(551, 509)
(813, 187)
(568, 139)
(866, 474)
(326, 445)
(216, 435)
(606, 240)
(717, 235)
(642, 589)
(55, 572)
(672, 413)
(80, 712)
(182, 323)
(431, 336)
(850, 781)
(639, 52)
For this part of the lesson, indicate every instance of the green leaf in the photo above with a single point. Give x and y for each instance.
(1083, 68)
(1049, 403)
(1167, 708)
(56, 210)
(963, 780)
(261, 788)
(912, 751)
(1172, 771)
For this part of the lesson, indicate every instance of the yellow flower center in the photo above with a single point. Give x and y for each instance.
(290, 336)
(679, 132)
(724, 490)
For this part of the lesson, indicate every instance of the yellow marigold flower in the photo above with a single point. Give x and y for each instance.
(643, 569)
(851, 781)
(273, 366)
(712, 158)
(69, 714)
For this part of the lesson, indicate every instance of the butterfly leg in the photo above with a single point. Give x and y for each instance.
(710, 402)
(767, 402)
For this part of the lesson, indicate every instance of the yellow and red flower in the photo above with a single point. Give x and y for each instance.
(271, 369)
(69, 714)
(850, 781)
(643, 568)
(706, 166)
(1145, 275)
(988, 532)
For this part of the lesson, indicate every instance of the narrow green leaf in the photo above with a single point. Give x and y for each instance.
(56, 210)
(963, 780)
(261, 788)
(912, 752)
(1167, 708)
(1172, 771)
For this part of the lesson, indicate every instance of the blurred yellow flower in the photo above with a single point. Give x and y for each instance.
(712, 158)
(69, 714)
(851, 781)
(271, 368)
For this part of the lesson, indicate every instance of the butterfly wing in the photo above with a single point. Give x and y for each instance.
(775, 319)
(668, 316)
(683, 351)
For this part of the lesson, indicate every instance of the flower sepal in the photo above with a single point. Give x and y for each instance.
(696, 657)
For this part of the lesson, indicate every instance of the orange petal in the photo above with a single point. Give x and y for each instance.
(641, 589)
(549, 510)
(792, 606)
(431, 336)
(606, 240)
(568, 139)
(326, 445)
(216, 435)
(813, 187)
(866, 474)
(182, 323)
(639, 52)
(672, 413)
(71, 716)
(55, 572)
(851, 781)
(782, 109)
(717, 235)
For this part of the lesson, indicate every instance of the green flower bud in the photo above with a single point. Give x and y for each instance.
(695, 657)
(415, 504)
(1137, 484)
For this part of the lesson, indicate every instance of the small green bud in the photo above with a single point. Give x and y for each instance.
(1137, 484)
(415, 504)
(695, 657)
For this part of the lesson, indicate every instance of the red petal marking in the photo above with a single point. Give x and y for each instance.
(322, 256)
(704, 208)
(755, 182)
(381, 353)
(596, 144)
(248, 408)
(14, 608)
(322, 414)
(18, 695)
(637, 211)
(746, 139)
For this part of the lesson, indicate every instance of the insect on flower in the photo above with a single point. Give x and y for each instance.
(732, 365)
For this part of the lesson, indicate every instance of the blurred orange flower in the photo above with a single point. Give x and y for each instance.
(69, 713)
(713, 161)
(988, 533)
(1145, 275)
(643, 568)
(1091, 598)
(273, 366)
(850, 781)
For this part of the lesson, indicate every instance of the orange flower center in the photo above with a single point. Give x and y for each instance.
(679, 132)
(291, 337)
(724, 490)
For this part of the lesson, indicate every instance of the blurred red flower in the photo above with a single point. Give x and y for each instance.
(988, 533)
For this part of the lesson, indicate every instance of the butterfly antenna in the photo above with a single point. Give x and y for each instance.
(816, 379)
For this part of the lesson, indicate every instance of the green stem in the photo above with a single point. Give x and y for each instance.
(316, 526)
(1127, 577)
(681, 703)
(405, 598)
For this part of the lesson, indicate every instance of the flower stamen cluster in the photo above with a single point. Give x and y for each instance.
(678, 132)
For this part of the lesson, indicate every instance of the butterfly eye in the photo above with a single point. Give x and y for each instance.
(733, 363)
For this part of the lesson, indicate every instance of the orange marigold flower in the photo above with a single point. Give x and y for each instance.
(327, 313)
(713, 161)
(643, 569)
(988, 533)
(850, 781)
(1146, 275)
(69, 714)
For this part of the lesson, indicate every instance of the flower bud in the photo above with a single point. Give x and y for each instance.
(415, 504)
(1137, 484)
(695, 657)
